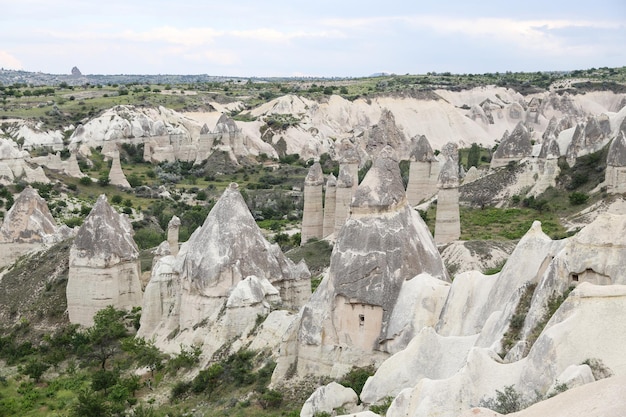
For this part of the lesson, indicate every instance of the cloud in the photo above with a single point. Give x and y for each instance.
(8, 61)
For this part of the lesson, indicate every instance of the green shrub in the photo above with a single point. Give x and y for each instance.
(505, 402)
(271, 399)
(577, 198)
(357, 377)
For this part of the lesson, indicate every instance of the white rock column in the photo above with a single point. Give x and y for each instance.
(173, 228)
(343, 196)
(448, 221)
(313, 214)
(330, 205)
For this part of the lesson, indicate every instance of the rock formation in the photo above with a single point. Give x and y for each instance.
(343, 195)
(330, 206)
(474, 326)
(28, 226)
(224, 276)
(385, 133)
(104, 265)
(116, 175)
(313, 212)
(615, 177)
(28, 220)
(448, 223)
(173, 228)
(423, 171)
(369, 304)
(513, 147)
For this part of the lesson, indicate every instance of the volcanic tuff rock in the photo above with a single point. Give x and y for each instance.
(313, 212)
(116, 175)
(350, 318)
(327, 398)
(447, 222)
(28, 220)
(615, 177)
(330, 206)
(104, 265)
(225, 275)
(423, 171)
(513, 147)
(479, 309)
(385, 133)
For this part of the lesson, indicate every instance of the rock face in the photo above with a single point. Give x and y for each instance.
(453, 366)
(447, 222)
(327, 399)
(330, 205)
(28, 220)
(615, 177)
(423, 171)
(104, 265)
(513, 147)
(356, 316)
(313, 213)
(224, 276)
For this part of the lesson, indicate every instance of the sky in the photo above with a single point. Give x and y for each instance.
(274, 38)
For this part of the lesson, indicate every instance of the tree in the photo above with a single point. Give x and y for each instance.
(145, 353)
(473, 156)
(106, 333)
(35, 369)
(90, 404)
(104, 180)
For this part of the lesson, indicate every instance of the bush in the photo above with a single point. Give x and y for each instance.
(180, 390)
(271, 399)
(505, 402)
(85, 180)
(356, 378)
(577, 198)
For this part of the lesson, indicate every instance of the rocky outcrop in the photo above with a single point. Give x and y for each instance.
(423, 171)
(313, 212)
(224, 276)
(28, 220)
(478, 314)
(360, 311)
(513, 147)
(173, 228)
(615, 177)
(327, 398)
(104, 265)
(385, 133)
(448, 221)
(330, 206)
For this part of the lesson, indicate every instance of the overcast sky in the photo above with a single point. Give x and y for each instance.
(314, 37)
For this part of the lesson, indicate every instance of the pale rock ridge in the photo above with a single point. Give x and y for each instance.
(447, 222)
(478, 310)
(589, 137)
(116, 174)
(224, 276)
(13, 165)
(54, 162)
(330, 206)
(513, 147)
(423, 171)
(104, 265)
(615, 177)
(359, 312)
(313, 212)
